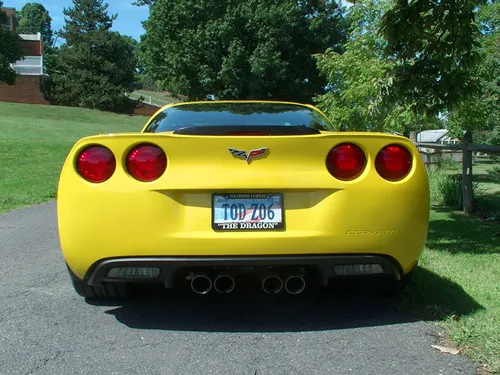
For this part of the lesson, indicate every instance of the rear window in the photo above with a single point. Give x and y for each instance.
(236, 114)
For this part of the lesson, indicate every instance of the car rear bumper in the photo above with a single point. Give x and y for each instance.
(322, 267)
(113, 225)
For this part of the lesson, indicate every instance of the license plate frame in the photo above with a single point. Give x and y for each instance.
(265, 223)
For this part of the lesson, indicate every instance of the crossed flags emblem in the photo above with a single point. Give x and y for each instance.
(251, 155)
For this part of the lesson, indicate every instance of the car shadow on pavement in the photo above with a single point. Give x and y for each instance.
(340, 306)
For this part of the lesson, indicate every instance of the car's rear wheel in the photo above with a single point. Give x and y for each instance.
(397, 288)
(106, 291)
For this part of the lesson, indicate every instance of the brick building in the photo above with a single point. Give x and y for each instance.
(11, 18)
(27, 88)
(30, 70)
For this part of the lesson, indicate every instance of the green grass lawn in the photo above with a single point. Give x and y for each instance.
(158, 97)
(457, 284)
(34, 141)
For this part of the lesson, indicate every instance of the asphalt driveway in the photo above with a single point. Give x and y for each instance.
(46, 328)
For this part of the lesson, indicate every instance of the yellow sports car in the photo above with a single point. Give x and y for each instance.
(214, 194)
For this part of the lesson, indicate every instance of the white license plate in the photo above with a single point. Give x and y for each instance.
(247, 212)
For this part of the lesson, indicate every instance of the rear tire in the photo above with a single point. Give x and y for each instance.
(110, 291)
(397, 288)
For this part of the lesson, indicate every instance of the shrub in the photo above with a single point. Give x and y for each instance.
(446, 189)
(450, 190)
(495, 172)
(447, 163)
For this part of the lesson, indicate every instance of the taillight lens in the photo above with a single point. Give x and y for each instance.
(146, 163)
(393, 162)
(346, 161)
(96, 164)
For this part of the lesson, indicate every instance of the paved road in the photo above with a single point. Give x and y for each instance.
(45, 328)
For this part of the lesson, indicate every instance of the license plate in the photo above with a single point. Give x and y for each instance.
(257, 212)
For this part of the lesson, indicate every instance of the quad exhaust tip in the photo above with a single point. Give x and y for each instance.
(292, 284)
(272, 284)
(201, 284)
(224, 284)
(295, 284)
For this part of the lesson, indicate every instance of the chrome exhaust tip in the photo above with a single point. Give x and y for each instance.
(201, 284)
(224, 284)
(295, 284)
(272, 284)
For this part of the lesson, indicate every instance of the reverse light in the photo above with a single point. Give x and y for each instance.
(393, 162)
(96, 164)
(146, 162)
(346, 161)
(357, 269)
(134, 273)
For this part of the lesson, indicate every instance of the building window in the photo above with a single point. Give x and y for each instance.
(8, 24)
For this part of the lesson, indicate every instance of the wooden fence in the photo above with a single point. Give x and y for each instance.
(467, 148)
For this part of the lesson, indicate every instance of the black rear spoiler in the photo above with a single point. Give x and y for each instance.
(246, 130)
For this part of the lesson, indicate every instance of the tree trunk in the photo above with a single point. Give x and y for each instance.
(467, 193)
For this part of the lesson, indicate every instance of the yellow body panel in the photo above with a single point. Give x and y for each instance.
(172, 216)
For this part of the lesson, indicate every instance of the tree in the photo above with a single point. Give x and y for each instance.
(95, 67)
(351, 94)
(240, 49)
(353, 100)
(143, 2)
(434, 46)
(34, 18)
(10, 51)
(442, 64)
(481, 110)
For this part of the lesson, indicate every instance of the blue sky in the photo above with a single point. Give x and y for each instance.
(128, 21)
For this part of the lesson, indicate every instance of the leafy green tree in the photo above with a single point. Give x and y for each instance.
(351, 95)
(241, 49)
(95, 67)
(143, 2)
(353, 100)
(434, 46)
(34, 18)
(481, 111)
(10, 51)
(494, 137)
(440, 56)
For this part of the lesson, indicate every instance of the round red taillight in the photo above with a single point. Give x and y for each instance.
(393, 162)
(346, 161)
(96, 164)
(146, 163)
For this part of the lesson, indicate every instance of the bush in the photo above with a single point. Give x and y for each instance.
(446, 189)
(450, 189)
(495, 172)
(446, 163)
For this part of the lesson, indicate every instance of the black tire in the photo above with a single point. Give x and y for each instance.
(110, 291)
(397, 288)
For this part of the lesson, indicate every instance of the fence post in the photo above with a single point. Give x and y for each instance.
(467, 193)
(413, 136)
